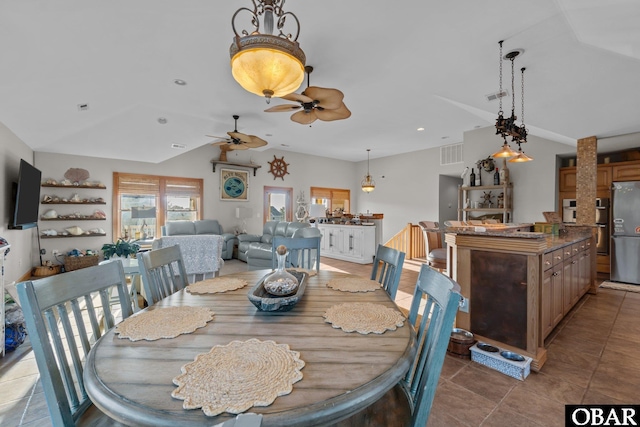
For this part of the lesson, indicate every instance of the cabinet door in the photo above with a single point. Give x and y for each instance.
(603, 179)
(546, 319)
(568, 179)
(626, 172)
(567, 281)
(557, 309)
(354, 242)
(575, 280)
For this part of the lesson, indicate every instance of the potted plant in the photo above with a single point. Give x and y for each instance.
(121, 248)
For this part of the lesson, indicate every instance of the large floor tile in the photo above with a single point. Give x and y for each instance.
(489, 384)
(532, 406)
(568, 372)
(621, 384)
(465, 405)
(552, 387)
(503, 416)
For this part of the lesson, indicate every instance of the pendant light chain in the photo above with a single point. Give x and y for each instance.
(500, 112)
(522, 95)
(513, 94)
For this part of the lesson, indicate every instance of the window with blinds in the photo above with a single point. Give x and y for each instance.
(332, 198)
(142, 203)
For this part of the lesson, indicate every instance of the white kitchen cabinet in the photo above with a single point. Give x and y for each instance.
(355, 243)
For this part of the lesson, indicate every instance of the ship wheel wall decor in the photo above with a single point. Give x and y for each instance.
(278, 167)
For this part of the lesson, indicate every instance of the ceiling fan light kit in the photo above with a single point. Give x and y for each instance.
(264, 63)
(367, 184)
(507, 127)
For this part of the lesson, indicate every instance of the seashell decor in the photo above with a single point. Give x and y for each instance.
(75, 231)
(76, 175)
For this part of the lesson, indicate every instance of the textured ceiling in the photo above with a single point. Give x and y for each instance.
(401, 65)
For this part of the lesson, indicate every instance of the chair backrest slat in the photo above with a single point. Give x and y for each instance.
(387, 268)
(58, 311)
(304, 252)
(433, 310)
(163, 273)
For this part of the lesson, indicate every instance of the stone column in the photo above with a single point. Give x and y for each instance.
(587, 171)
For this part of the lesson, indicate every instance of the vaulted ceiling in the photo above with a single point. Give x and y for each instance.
(401, 65)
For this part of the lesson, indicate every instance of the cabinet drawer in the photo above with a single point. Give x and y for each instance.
(575, 248)
(567, 252)
(557, 256)
(547, 261)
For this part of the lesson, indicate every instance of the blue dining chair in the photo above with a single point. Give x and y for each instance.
(409, 402)
(65, 315)
(304, 249)
(163, 272)
(387, 268)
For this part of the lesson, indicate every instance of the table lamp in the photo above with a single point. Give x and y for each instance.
(317, 211)
(144, 214)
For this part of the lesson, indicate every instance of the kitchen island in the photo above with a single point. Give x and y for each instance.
(519, 285)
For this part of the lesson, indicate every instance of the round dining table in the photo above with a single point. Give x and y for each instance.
(344, 372)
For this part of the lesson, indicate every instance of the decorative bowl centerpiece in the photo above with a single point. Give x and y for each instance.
(266, 301)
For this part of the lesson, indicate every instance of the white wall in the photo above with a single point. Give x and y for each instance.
(407, 193)
(304, 172)
(409, 190)
(21, 256)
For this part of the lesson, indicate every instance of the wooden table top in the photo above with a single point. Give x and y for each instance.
(343, 373)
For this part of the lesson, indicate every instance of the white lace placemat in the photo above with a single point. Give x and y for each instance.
(235, 377)
(216, 285)
(354, 284)
(364, 317)
(164, 322)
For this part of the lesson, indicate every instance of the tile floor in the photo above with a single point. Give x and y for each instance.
(592, 358)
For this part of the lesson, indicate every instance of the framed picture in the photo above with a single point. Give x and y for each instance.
(234, 185)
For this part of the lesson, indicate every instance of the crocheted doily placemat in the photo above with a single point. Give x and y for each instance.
(216, 285)
(353, 284)
(164, 322)
(234, 377)
(363, 317)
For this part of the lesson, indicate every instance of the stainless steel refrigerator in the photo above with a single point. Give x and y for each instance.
(625, 238)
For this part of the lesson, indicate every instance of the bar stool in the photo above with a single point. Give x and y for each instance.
(436, 254)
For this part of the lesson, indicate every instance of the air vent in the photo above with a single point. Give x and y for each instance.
(494, 96)
(178, 146)
(451, 154)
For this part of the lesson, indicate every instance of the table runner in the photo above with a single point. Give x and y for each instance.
(164, 322)
(216, 285)
(363, 317)
(234, 377)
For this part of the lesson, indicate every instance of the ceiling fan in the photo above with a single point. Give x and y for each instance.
(236, 141)
(316, 103)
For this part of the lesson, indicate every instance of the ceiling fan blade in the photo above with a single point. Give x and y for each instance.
(329, 99)
(221, 143)
(297, 97)
(283, 108)
(255, 142)
(304, 118)
(337, 114)
(240, 136)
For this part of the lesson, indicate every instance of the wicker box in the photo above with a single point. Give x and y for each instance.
(77, 262)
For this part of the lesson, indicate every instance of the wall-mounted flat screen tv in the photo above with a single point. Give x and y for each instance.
(26, 197)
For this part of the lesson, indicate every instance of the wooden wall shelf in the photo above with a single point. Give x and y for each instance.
(77, 187)
(71, 235)
(242, 165)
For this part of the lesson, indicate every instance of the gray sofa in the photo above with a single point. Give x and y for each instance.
(258, 248)
(204, 226)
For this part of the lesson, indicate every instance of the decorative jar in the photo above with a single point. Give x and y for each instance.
(281, 282)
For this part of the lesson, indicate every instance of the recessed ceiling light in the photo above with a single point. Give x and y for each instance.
(420, 129)
(180, 82)
(444, 137)
(268, 134)
(477, 126)
(162, 120)
(178, 146)
(284, 145)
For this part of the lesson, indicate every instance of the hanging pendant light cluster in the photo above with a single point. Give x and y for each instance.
(368, 185)
(264, 63)
(507, 127)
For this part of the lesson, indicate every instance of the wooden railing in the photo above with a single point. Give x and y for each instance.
(410, 241)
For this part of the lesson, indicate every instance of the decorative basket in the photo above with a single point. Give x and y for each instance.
(46, 270)
(77, 262)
